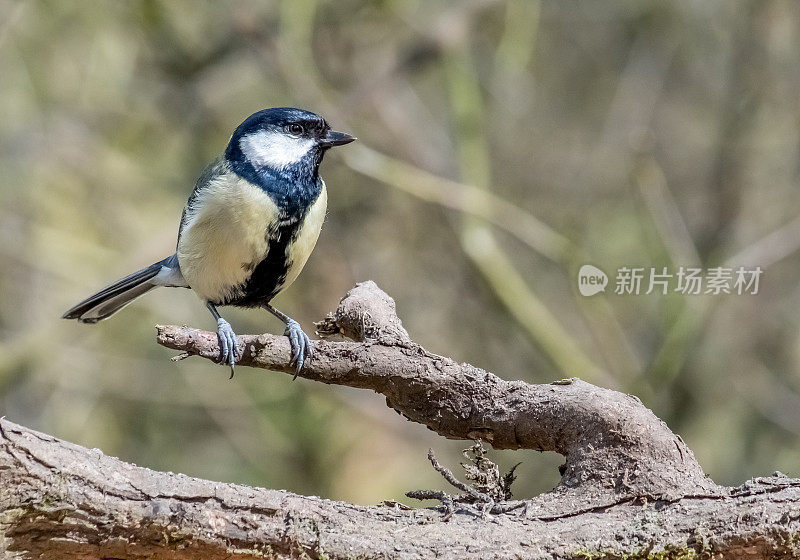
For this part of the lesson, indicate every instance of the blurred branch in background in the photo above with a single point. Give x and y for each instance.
(688, 313)
(666, 216)
(770, 249)
(463, 197)
(478, 241)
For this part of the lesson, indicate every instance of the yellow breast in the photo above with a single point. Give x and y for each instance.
(306, 238)
(224, 235)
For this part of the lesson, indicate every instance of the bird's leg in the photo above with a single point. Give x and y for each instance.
(301, 344)
(228, 349)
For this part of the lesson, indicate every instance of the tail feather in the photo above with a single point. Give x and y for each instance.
(112, 298)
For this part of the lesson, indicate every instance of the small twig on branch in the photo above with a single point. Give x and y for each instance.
(444, 497)
(486, 474)
(450, 477)
(492, 493)
(180, 357)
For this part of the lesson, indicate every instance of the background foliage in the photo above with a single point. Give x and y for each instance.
(502, 144)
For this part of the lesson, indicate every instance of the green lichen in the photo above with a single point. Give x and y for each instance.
(9, 516)
(670, 552)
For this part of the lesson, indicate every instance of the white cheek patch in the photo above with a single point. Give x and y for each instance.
(269, 148)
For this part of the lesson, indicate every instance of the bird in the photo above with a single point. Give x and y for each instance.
(247, 229)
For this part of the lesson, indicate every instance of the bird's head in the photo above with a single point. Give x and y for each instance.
(283, 137)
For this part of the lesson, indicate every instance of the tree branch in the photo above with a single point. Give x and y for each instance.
(630, 486)
(602, 433)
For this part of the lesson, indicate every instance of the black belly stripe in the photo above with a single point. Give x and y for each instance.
(268, 275)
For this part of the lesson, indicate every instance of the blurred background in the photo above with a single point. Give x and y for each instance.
(502, 144)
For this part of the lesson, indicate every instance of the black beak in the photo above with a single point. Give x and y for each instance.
(335, 139)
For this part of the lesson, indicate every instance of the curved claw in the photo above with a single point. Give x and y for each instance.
(229, 350)
(300, 343)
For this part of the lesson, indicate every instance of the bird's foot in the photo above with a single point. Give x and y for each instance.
(228, 348)
(301, 345)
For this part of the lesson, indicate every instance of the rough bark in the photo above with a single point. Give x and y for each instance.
(630, 487)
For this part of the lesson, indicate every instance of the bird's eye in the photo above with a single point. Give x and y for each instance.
(295, 129)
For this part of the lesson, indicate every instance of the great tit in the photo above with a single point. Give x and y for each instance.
(247, 229)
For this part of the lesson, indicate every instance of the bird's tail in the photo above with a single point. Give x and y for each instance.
(111, 299)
